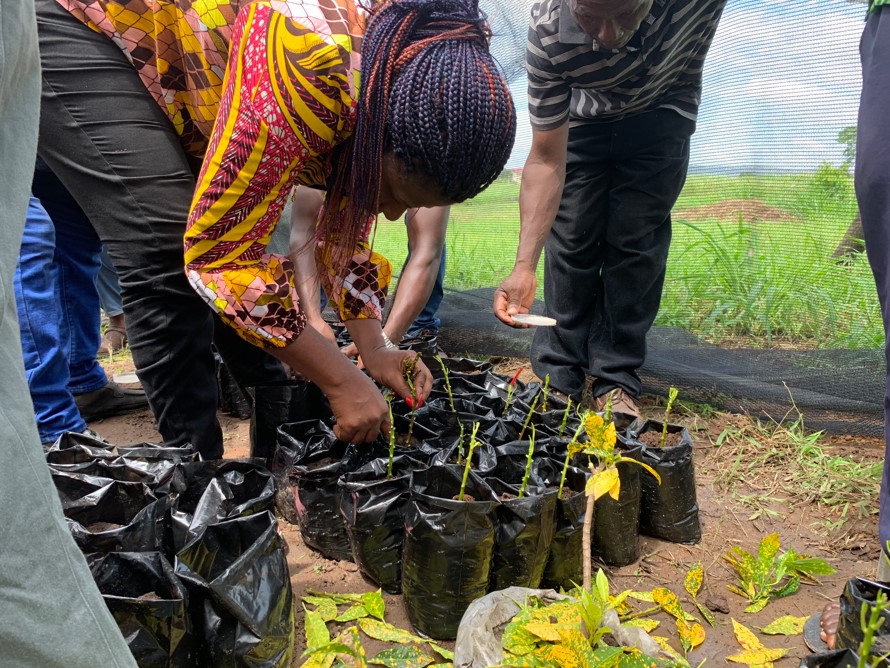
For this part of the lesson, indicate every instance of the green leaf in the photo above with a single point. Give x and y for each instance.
(788, 588)
(516, 640)
(339, 599)
(645, 596)
(709, 618)
(374, 628)
(325, 607)
(813, 566)
(446, 654)
(374, 604)
(402, 657)
(787, 625)
(353, 613)
(670, 603)
(333, 647)
(758, 605)
(602, 583)
(694, 578)
(317, 633)
(647, 624)
(766, 554)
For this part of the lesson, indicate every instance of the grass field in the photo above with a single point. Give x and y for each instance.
(730, 278)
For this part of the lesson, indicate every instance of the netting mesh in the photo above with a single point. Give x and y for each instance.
(768, 293)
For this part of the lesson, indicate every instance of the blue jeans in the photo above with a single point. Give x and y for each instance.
(108, 287)
(427, 318)
(58, 307)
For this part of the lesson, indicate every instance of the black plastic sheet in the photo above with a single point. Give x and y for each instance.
(275, 404)
(523, 534)
(373, 509)
(668, 510)
(150, 606)
(448, 549)
(241, 600)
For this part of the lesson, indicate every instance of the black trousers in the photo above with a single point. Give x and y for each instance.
(607, 252)
(117, 153)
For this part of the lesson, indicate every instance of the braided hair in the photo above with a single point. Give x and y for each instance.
(449, 116)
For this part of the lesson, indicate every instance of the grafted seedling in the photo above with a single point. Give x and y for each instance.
(672, 397)
(409, 371)
(392, 437)
(565, 417)
(447, 383)
(473, 444)
(528, 463)
(544, 391)
(528, 418)
(511, 388)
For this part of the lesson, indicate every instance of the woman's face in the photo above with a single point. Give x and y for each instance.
(401, 190)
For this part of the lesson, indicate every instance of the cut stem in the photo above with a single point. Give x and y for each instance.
(546, 388)
(460, 443)
(447, 383)
(672, 396)
(473, 444)
(528, 463)
(585, 535)
(565, 466)
(528, 418)
(565, 418)
(510, 389)
(392, 439)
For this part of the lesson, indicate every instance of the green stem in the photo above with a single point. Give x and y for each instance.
(546, 388)
(460, 443)
(528, 418)
(870, 627)
(641, 613)
(447, 383)
(411, 424)
(528, 463)
(509, 399)
(565, 418)
(473, 444)
(672, 396)
(565, 466)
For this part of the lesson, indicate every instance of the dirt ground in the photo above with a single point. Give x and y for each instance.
(735, 510)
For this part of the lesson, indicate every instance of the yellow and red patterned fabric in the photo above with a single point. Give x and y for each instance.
(265, 91)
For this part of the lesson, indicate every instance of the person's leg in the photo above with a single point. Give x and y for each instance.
(651, 155)
(427, 321)
(573, 257)
(51, 614)
(76, 255)
(128, 172)
(115, 337)
(873, 194)
(39, 307)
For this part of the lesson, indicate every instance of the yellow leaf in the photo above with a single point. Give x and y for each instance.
(691, 635)
(603, 483)
(669, 602)
(746, 637)
(758, 657)
(378, 630)
(548, 632)
(648, 625)
(317, 633)
(788, 625)
(645, 596)
(694, 578)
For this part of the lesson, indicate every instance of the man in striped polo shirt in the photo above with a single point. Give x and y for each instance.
(614, 88)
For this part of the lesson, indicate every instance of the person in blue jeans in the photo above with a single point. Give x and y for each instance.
(420, 289)
(115, 337)
(58, 309)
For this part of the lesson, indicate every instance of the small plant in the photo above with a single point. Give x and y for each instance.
(511, 388)
(601, 439)
(565, 417)
(473, 444)
(409, 371)
(871, 622)
(528, 418)
(447, 384)
(572, 449)
(544, 392)
(672, 397)
(528, 463)
(769, 574)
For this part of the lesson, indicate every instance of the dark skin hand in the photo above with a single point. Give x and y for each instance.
(828, 623)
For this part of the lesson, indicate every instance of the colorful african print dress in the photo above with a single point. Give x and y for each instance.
(264, 91)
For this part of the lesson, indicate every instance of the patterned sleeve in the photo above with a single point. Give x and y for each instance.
(286, 101)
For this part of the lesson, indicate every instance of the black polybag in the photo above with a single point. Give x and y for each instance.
(106, 515)
(241, 602)
(564, 568)
(320, 461)
(616, 524)
(150, 606)
(856, 592)
(446, 562)
(839, 658)
(459, 366)
(523, 534)
(74, 448)
(218, 490)
(275, 404)
(373, 509)
(668, 510)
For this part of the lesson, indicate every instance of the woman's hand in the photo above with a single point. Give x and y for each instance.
(359, 408)
(388, 366)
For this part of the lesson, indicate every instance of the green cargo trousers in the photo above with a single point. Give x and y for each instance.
(51, 613)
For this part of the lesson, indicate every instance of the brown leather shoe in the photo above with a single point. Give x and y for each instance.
(622, 402)
(110, 400)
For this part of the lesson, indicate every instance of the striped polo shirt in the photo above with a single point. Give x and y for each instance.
(571, 77)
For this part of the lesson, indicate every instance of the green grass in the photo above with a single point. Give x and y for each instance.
(756, 281)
